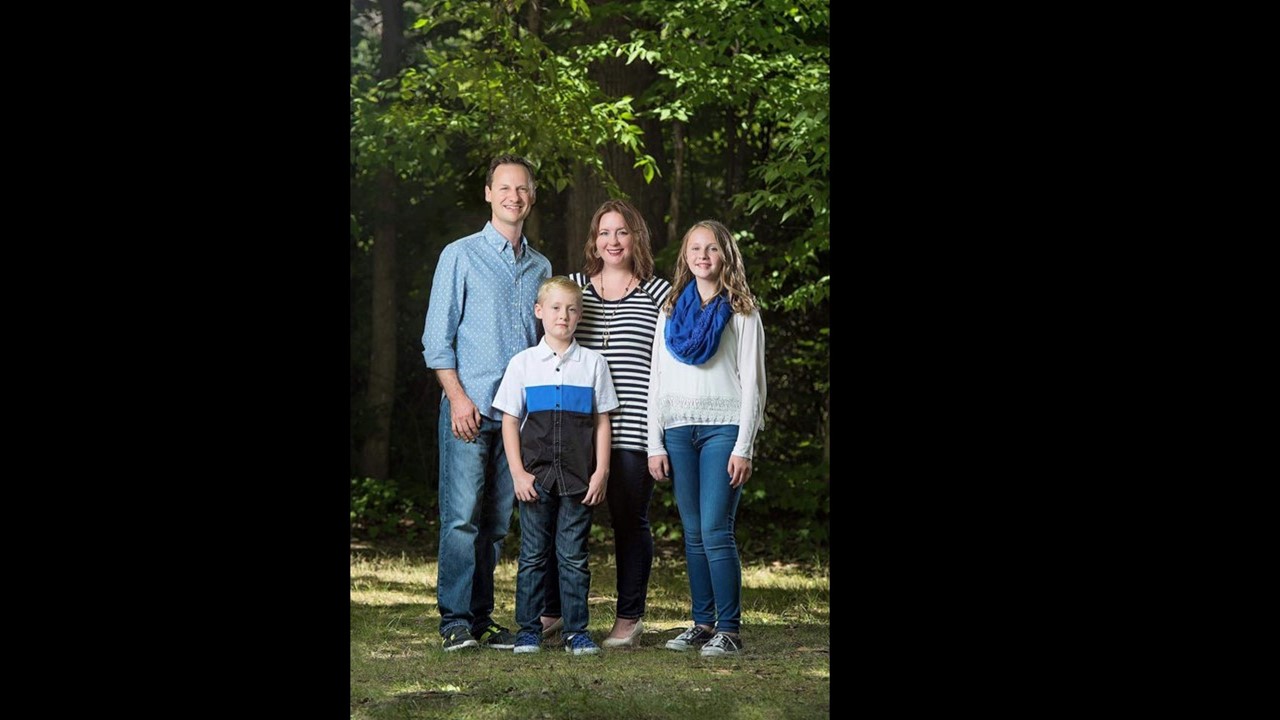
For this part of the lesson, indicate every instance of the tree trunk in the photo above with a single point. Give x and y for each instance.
(533, 17)
(677, 184)
(732, 165)
(375, 456)
(616, 78)
(582, 199)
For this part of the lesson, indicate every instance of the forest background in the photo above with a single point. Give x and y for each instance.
(693, 109)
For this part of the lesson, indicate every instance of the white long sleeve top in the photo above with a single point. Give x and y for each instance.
(728, 389)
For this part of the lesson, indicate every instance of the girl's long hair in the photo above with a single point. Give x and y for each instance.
(733, 278)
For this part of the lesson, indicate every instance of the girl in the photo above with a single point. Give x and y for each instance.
(706, 402)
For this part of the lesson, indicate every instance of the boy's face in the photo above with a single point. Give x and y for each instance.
(559, 311)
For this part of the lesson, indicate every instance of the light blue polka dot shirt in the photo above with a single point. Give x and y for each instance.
(481, 311)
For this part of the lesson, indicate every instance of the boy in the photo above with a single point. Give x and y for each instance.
(556, 398)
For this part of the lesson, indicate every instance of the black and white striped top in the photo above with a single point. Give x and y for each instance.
(631, 323)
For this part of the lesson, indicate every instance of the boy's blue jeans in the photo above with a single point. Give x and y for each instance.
(559, 524)
(476, 495)
(699, 456)
(630, 490)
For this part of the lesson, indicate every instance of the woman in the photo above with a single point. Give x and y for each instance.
(706, 402)
(620, 301)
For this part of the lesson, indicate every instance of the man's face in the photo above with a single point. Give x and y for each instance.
(511, 196)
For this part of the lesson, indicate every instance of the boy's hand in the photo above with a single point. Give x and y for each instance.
(524, 485)
(596, 488)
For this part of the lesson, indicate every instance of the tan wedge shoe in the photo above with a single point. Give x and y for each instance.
(628, 641)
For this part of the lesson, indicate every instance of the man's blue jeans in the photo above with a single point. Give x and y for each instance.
(568, 521)
(699, 457)
(476, 495)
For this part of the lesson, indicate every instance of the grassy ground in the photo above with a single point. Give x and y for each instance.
(399, 671)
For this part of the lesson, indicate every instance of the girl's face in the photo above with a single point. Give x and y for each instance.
(704, 255)
(613, 240)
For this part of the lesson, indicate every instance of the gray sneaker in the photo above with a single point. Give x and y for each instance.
(497, 637)
(458, 637)
(689, 639)
(722, 644)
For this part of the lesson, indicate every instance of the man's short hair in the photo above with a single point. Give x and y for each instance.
(510, 160)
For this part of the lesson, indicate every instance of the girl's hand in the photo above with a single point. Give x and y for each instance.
(739, 470)
(660, 468)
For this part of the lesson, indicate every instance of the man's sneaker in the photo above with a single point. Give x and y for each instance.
(691, 638)
(497, 637)
(527, 642)
(722, 644)
(458, 637)
(580, 644)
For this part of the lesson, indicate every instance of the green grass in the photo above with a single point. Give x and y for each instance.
(399, 671)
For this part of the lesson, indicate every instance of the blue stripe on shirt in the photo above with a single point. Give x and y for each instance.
(570, 398)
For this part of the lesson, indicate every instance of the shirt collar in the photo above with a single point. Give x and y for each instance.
(499, 242)
(546, 353)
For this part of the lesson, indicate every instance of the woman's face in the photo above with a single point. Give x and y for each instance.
(613, 240)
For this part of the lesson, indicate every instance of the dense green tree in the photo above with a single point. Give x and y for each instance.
(692, 108)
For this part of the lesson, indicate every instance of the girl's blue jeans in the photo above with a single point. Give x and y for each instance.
(699, 456)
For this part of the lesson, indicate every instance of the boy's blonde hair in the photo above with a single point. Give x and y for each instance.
(559, 282)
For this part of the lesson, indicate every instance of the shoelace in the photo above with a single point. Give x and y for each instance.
(722, 641)
(692, 634)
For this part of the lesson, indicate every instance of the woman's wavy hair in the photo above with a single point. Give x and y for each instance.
(733, 279)
(641, 248)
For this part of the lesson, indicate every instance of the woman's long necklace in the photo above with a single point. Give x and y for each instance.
(609, 320)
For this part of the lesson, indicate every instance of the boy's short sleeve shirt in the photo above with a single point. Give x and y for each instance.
(555, 397)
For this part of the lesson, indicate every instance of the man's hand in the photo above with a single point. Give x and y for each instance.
(465, 419)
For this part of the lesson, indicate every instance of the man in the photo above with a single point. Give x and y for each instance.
(479, 316)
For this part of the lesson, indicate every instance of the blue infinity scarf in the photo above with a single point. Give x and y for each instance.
(693, 331)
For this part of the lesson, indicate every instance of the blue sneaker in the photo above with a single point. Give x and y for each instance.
(527, 642)
(580, 644)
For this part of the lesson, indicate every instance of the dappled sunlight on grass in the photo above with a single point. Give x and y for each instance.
(398, 669)
(375, 597)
